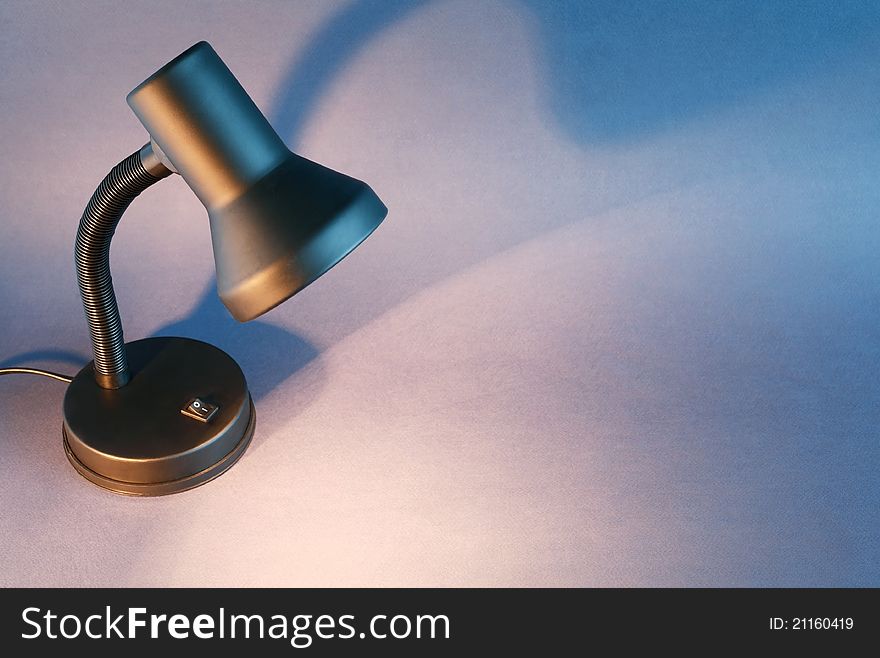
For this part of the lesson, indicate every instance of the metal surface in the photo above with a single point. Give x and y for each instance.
(207, 126)
(286, 231)
(135, 440)
(278, 221)
(92, 254)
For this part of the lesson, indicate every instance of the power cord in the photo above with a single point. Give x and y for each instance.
(36, 371)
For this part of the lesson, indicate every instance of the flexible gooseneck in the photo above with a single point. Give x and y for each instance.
(125, 181)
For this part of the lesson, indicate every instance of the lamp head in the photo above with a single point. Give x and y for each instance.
(278, 221)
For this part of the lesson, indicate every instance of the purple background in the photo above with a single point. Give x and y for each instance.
(619, 328)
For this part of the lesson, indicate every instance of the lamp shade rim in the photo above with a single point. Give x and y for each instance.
(282, 279)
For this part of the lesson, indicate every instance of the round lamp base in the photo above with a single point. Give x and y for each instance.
(185, 417)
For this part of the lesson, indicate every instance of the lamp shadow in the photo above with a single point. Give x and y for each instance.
(267, 354)
(613, 72)
(67, 357)
(622, 70)
(327, 53)
(616, 70)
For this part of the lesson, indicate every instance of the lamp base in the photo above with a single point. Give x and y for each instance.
(185, 417)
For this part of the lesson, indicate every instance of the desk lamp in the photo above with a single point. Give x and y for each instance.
(162, 415)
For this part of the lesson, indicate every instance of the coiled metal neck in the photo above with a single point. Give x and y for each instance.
(125, 181)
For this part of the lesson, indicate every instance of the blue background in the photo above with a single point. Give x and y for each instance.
(620, 327)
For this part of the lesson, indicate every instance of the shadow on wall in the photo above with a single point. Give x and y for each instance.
(327, 53)
(267, 354)
(616, 71)
(620, 71)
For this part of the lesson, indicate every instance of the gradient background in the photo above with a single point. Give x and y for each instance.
(619, 328)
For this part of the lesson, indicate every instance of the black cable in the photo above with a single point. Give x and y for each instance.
(92, 254)
(36, 371)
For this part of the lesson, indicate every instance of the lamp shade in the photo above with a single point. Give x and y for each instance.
(278, 221)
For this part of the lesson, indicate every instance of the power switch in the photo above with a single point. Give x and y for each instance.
(200, 410)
